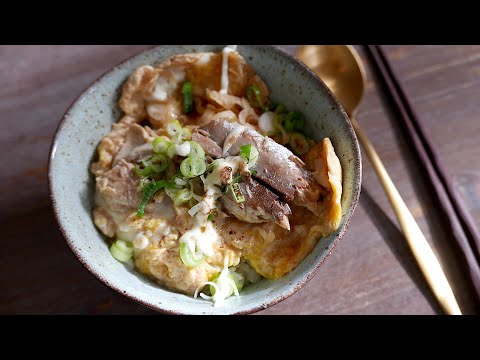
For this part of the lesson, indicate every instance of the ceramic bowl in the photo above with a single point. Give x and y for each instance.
(90, 118)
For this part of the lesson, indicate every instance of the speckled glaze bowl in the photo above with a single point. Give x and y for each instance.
(90, 118)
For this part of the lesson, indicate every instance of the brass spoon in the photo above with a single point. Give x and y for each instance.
(342, 70)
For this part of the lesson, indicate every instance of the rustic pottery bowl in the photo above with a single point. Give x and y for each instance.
(90, 118)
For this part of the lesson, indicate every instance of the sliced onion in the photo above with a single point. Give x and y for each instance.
(194, 210)
(232, 138)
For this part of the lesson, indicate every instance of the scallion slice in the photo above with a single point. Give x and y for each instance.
(183, 149)
(156, 164)
(188, 258)
(254, 91)
(124, 246)
(160, 145)
(171, 151)
(233, 280)
(245, 151)
(237, 193)
(250, 153)
(179, 180)
(187, 97)
(196, 150)
(161, 161)
(174, 129)
(237, 278)
(192, 167)
(143, 182)
(187, 134)
(280, 109)
(121, 250)
(147, 171)
(237, 179)
(294, 121)
(150, 190)
(299, 144)
(179, 196)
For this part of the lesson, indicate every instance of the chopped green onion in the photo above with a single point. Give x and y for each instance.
(179, 180)
(250, 153)
(144, 181)
(196, 150)
(252, 91)
(156, 164)
(245, 151)
(237, 179)
(278, 120)
(182, 196)
(143, 173)
(237, 193)
(299, 144)
(192, 167)
(160, 161)
(174, 129)
(211, 217)
(213, 288)
(149, 191)
(160, 145)
(179, 196)
(187, 134)
(189, 259)
(124, 246)
(212, 165)
(300, 122)
(183, 149)
(187, 97)
(280, 109)
(237, 278)
(294, 121)
(147, 171)
(121, 250)
(235, 281)
(171, 151)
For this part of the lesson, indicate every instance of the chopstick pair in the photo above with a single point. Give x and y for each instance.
(461, 224)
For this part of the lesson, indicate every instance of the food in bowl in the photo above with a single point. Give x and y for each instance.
(205, 185)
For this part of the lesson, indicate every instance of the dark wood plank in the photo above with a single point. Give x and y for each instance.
(370, 272)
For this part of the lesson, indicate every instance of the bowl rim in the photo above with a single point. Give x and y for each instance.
(355, 193)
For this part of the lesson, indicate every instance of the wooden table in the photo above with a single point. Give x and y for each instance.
(371, 270)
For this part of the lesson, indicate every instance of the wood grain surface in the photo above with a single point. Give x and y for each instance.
(371, 271)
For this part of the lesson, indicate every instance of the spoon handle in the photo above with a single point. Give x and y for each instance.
(416, 240)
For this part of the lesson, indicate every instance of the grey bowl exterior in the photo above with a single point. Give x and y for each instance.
(90, 118)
